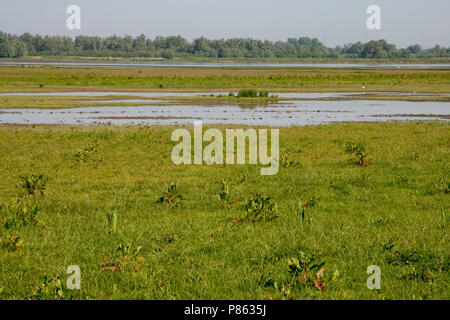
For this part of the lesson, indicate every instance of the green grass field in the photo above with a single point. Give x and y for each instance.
(48, 79)
(392, 213)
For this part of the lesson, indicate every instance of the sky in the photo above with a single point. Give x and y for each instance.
(334, 22)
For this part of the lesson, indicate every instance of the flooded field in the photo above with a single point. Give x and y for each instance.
(292, 95)
(230, 65)
(284, 113)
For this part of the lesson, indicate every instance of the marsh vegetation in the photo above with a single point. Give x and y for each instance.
(140, 227)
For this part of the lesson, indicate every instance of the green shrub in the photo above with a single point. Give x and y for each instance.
(53, 289)
(86, 154)
(34, 184)
(125, 258)
(11, 242)
(359, 150)
(286, 162)
(171, 196)
(250, 93)
(306, 271)
(247, 93)
(19, 214)
(260, 208)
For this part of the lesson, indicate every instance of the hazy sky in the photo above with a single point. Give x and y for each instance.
(334, 22)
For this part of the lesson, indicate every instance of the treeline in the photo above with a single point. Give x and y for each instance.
(13, 46)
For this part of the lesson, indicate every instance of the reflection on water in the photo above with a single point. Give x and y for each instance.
(293, 113)
(302, 95)
(291, 95)
(106, 94)
(228, 64)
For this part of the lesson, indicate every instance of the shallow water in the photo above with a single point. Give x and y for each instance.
(228, 64)
(105, 94)
(306, 95)
(293, 95)
(278, 115)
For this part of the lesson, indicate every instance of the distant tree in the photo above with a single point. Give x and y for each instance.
(171, 46)
(404, 53)
(375, 49)
(415, 49)
(167, 54)
(140, 43)
(21, 49)
(5, 49)
(201, 47)
(12, 48)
